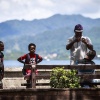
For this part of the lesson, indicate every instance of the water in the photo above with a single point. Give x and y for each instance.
(15, 63)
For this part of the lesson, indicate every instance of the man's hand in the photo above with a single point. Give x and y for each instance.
(90, 47)
(69, 46)
(83, 40)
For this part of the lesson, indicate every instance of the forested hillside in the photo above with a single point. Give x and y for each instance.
(50, 35)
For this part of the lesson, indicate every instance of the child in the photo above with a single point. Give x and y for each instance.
(87, 61)
(1, 61)
(30, 58)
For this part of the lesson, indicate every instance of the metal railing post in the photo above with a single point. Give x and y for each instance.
(33, 77)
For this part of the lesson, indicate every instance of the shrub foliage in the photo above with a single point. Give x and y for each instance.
(61, 78)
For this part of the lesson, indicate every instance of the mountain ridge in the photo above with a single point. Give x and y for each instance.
(49, 34)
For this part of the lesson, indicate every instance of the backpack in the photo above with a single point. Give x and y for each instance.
(27, 60)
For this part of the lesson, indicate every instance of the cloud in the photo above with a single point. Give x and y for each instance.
(36, 9)
(16, 47)
(4, 5)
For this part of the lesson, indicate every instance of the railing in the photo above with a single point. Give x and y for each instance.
(35, 77)
(31, 83)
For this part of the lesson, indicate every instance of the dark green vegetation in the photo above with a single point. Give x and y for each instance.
(60, 78)
(50, 35)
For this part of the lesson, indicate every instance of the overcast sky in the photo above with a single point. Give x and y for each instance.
(38, 9)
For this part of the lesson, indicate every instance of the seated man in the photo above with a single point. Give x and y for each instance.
(88, 61)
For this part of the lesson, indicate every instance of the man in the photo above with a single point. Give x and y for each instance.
(78, 45)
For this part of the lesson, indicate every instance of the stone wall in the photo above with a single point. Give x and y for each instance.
(50, 94)
(13, 78)
(12, 90)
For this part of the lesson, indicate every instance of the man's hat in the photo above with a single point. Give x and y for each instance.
(78, 28)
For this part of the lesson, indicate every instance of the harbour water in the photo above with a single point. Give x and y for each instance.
(15, 63)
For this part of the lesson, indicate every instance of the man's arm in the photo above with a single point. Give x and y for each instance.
(69, 46)
(89, 46)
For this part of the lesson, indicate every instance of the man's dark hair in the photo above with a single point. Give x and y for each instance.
(31, 44)
(91, 54)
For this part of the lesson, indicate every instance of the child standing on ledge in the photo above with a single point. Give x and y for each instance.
(30, 58)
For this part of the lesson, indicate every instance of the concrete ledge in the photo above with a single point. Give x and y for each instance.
(13, 77)
(50, 94)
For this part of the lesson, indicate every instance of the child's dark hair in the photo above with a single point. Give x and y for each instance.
(31, 44)
(91, 54)
(1, 42)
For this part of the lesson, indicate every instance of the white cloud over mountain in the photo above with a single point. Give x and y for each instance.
(37, 9)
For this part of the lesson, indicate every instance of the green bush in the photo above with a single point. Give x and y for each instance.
(61, 78)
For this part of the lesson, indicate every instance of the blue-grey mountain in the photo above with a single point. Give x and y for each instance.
(50, 35)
